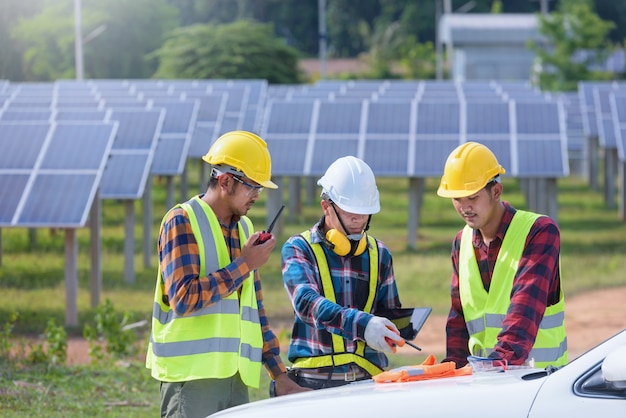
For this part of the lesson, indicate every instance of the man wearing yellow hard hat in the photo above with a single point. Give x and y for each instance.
(506, 297)
(210, 334)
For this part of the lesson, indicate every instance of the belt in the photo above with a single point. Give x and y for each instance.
(346, 377)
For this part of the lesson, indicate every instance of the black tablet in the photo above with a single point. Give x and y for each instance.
(409, 321)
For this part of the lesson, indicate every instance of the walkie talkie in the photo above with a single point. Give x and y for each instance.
(265, 235)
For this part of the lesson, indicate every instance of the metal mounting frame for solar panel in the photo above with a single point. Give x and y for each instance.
(55, 185)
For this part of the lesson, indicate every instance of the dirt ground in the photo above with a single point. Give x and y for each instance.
(590, 318)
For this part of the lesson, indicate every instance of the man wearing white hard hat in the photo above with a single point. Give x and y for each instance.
(338, 278)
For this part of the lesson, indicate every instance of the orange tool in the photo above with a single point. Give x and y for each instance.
(400, 343)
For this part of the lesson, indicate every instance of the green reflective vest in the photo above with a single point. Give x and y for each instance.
(340, 357)
(218, 340)
(485, 311)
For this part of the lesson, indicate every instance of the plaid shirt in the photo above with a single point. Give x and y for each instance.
(536, 285)
(179, 260)
(317, 317)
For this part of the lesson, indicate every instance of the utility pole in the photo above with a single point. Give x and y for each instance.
(544, 6)
(78, 40)
(321, 13)
(447, 8)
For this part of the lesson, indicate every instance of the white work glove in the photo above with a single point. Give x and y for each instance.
(379, 328)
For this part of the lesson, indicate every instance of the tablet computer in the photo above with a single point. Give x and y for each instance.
(409, 321)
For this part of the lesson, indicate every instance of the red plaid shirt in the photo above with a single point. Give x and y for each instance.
(536, 285)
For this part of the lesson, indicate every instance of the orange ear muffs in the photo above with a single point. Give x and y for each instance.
(343, 246)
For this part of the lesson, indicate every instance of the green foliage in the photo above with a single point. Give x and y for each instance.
(119, 340)
(56, 339)
(573, 28)
(47, 40)
(5, 336)
(244, 49)
(131, 30)
(418, 59)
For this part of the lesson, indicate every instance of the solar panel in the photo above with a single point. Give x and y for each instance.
(27, 114)
(430, 156)
(25, 103)
(538, 118)
(211, 106)
(604, 118)
(173, 146)
(501, 148)
(339, 118)
(618, 111)
(438, 117)
(587, 103)
(132, 154)
(328, 149)
(389, 118)
(180, 116)
(541, 158)
(138, 128)
(77, 146)
(486, 118)
(288, 118)
(288, 155)
(126, 175)
(204, 134)
(81, 115)
(387, 157)
(21, 144)
(54, 186)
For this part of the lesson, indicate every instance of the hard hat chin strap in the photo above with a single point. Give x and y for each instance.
(355, 237)
(342, 243)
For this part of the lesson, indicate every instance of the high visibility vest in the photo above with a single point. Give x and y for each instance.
(340, 357)
(485, 311)
(216, 341)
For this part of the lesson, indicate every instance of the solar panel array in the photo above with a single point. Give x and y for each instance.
(602, 120)
(407, 129)
(66, 143)
(50, 172)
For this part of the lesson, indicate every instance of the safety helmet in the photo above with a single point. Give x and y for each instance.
(468, 169)
(246, 153)
(350, 183)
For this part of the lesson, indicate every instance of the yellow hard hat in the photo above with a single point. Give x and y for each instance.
(468, 169)
(246, 153)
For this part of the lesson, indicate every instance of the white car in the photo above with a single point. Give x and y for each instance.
(592, 385)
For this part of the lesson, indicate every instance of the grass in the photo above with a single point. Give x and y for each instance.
(32, 283)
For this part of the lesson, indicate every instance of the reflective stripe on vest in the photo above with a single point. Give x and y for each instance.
(485, 311)
(216, 341)
(339, 356)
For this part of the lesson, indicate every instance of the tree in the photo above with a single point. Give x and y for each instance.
(244, 49)
(572, 30)
(133, 29)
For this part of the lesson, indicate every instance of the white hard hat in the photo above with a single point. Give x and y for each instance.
(350, 183)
